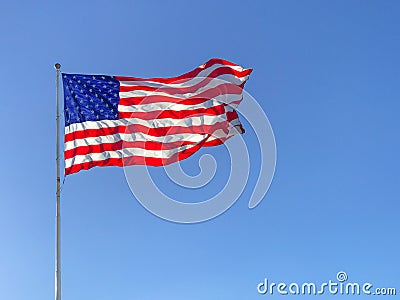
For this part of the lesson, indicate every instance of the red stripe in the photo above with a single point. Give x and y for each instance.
(171, 114)
(222, 89)
(182, 77)
(188, 89)
(148, 145)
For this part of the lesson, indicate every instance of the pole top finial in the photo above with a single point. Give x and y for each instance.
(57, 66)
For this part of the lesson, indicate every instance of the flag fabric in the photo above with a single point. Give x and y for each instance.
(122, 121)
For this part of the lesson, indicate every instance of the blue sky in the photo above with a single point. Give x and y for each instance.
(325, 72)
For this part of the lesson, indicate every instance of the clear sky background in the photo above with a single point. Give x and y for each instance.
(326, 73)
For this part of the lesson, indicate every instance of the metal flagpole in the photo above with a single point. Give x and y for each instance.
(58, 244)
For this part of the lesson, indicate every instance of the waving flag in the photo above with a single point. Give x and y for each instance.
(121, 121)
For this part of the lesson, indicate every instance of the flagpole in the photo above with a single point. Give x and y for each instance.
(58, 244)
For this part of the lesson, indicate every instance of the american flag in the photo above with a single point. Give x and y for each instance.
(122, 121)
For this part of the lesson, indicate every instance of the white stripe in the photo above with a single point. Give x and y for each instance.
(132, 137)
(156, 123)
(163, 106)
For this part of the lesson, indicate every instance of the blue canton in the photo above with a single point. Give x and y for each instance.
(90, 98)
